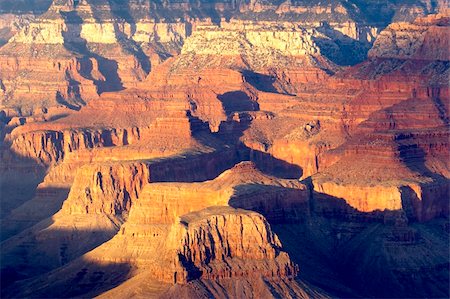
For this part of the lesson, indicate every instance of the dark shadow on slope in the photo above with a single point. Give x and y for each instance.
(44, 203)
(77, 98)
(260, 81)
(273, 166)
(230, 132)
(410, 202)
(336, 208)
(2, 43)
(122, 12)
(237, 101)
(439, 104)
(280, 205)
(371, 12)
(25, 6)
(109, 69)
(58, 116)
(79, 279)
(341, 49)
(414, 157)
(208, 12)
(38, 255)
(434, 198)
(74, 43)
(321, 245)
(19, 178)
(173, 11)
(195, 167)
(308, 246)
(397, 260)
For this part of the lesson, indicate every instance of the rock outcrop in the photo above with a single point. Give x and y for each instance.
(224, 149)
(89, 45)
(215, 243)
(231, 235)
(163, 213)
(401, 147)
(424, 39)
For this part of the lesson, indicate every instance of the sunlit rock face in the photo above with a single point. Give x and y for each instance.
(224, 149)
(98, 46)
(424, 39)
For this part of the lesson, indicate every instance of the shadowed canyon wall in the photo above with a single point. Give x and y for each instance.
(224, 149)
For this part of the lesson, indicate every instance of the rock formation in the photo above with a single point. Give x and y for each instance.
(227, 149)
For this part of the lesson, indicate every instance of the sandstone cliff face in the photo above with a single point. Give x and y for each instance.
(426, 39)
(243, 186)
(214, 243)
(10, 24)
(262, 48)
(150, 177)
(289, 42)
(88, 57)
(404, 146)
(100, 39)
(110, 190)
(234, 236)
(51, 146)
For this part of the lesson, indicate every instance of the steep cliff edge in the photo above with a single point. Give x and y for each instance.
(424, 39)
(88, 55)
(133, 180)
(399, 152)
(236, 235)
(215, 243)
(89, 45)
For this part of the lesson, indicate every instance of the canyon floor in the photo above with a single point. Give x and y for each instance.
(224, 149)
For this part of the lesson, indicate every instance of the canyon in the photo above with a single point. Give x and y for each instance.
(224, 149)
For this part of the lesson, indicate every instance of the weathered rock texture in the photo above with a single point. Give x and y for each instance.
(214, 243)
(97, 46)
(162, 232)
(224, 149)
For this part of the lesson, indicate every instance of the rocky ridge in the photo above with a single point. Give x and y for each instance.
(88, 45)
(148, 184)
